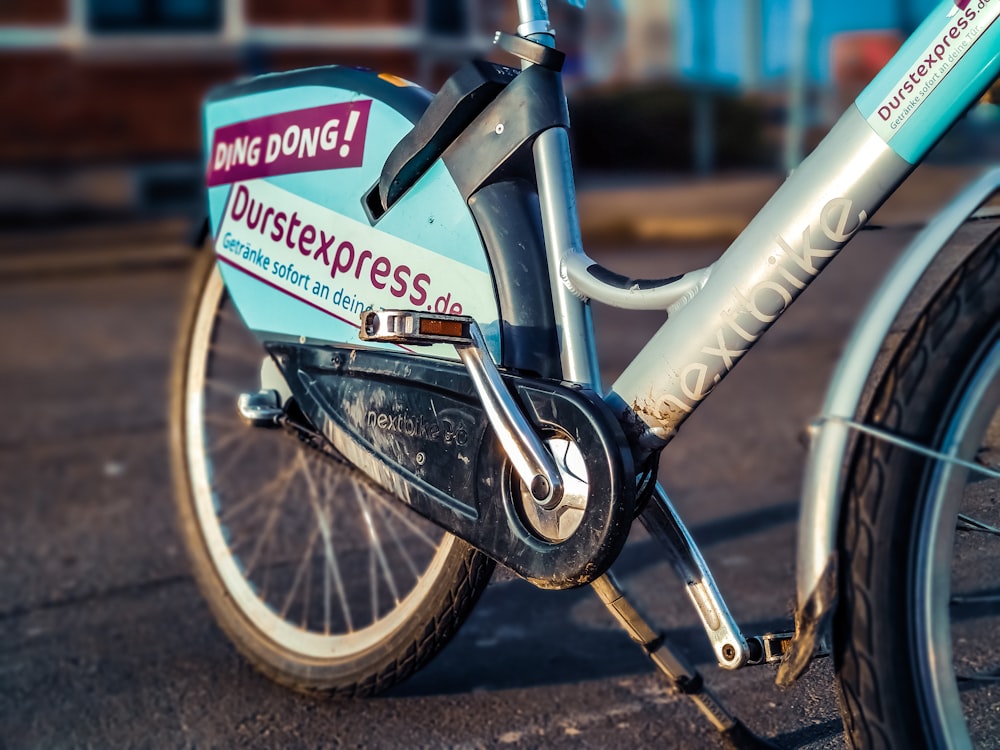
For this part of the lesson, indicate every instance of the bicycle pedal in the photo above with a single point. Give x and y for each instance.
(771, 648)
(415, 328)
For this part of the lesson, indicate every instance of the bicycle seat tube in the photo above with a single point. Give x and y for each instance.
(560, 225)
(534, 20)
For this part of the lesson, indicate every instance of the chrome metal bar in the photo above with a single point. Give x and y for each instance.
(534, 20)
(661, 520)
(576, 272)
(533, 464)
(557, 197)
(531, 461)
(820, 207)
(560, 225)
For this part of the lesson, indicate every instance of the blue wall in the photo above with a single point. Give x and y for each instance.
(828, 19)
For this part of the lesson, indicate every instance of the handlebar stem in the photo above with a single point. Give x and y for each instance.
(534, 21)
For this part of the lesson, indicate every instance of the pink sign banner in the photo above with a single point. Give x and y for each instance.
(306, 140)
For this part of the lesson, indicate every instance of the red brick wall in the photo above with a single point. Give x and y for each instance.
(32, 11)
(371, 12)
(401, 63)
(60, 108)
(63, 109)
(368, 12)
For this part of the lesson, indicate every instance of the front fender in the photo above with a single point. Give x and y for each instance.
(816, 584)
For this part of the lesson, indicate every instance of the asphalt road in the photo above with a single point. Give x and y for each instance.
(104, 641)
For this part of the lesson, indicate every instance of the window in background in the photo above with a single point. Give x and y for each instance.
(447, 17)
(128, 16)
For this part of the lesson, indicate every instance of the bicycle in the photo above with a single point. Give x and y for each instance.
(386, 383)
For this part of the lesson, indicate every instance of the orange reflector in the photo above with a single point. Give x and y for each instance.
(395, 80)
(436, 327)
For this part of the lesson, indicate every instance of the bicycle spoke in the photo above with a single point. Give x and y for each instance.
(301, 572)
(376, 554)
(972, 606)
(275, 514)
(976, 599)
(226, 422)
(265, 536)
(226, 388)
(237, 353)
(404, 551)
(967, 523)
(373, 582)
(326, 588)
(227, 463)
(250, 524)
(249, 500)
(227, 438)
(993, 676)
(307, 600)
(400, 513)
(331, 559)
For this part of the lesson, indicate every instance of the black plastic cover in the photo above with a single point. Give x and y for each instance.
(532, 52)
(606, 276)
(510, 223)
(492, 147)
(416, 427)
(461, 99)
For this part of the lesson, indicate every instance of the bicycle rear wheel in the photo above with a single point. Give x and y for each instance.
(320, 578)
(916, 643)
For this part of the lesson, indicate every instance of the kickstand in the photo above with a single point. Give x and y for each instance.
(682, 675)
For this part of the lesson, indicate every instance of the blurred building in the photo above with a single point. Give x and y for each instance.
(113, 87)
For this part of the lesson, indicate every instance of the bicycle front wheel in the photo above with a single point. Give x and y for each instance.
(916, 642)
(320, 578)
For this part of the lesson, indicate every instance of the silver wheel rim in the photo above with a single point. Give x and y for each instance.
(939, 549)
(246, 597)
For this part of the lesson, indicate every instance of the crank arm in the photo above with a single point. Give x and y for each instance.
(522, 445)
(731, 649)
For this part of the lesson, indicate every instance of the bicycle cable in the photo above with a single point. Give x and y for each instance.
(902, 442)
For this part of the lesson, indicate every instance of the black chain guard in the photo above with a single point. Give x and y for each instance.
(416, 427)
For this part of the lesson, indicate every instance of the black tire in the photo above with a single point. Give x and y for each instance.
(912, 651)
(322, 580)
